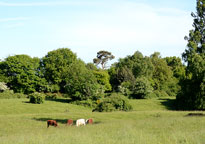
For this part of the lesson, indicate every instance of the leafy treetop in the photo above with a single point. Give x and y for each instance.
(102, 58)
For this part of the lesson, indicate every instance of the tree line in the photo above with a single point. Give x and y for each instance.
(135, 76)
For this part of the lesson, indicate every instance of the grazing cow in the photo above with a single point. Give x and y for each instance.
(70, 122)
(52, 123)
(89, 121)
(80, 122)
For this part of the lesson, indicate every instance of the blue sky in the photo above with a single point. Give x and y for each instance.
(35, 27)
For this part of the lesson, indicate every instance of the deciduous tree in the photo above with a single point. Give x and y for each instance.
(23, 73)
(56, 65)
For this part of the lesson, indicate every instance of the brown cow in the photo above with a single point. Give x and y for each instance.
(89, 121)
(70, 122)
(52, 123)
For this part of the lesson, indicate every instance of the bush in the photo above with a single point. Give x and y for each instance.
(37, 98)
(142, 88)
(115, 102)
(124, 88)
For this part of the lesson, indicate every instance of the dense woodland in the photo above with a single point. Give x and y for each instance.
(136, 76)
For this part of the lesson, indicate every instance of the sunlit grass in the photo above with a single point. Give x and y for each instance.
(149, 123)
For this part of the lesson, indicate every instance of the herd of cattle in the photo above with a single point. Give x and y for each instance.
(79, 122)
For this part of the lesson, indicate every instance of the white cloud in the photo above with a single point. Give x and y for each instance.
(58, 3)
(29, 4)
(131, 27)
(14, 19)
(121, 28)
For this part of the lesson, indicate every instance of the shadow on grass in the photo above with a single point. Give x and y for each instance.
(195, 114)
(170, 104)
(59, 100)
(62, 121)
(28, 102)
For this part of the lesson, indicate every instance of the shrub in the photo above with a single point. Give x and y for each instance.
(37, 98)
(142, 88)
(115, 102)
(124, 88)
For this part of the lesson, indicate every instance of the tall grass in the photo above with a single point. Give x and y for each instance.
(149, 123)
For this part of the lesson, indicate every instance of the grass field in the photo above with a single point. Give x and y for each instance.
(151, 122)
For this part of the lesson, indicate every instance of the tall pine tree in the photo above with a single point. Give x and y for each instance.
(193, 87)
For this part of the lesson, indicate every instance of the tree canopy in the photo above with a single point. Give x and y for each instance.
(81, 83)
(56, 65)
(192, 95)
(23, 73)
(102, 58)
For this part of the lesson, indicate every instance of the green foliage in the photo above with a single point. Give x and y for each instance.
(124, 74)
(52, 95)
(113, 77)
(37, 98)
(91, 66)
(103, 79)
(115, 102)
(130, 68)
(142, 88)
(23, 74)
(177, 67)
(81, 83)
(118, 75)
(163, 79)
(102, 58)
(3, 77)
(139, 65)
(136, 75)
(55, 66)
(124, 88)
(53, 88)
(192, 95)
(9, 94)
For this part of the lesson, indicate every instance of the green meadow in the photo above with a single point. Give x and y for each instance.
(152, 121)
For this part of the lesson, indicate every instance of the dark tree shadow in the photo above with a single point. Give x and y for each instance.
(195, 114)
(59, 100)
(28, 102)
(25, 101)
(62, 121)
(170, 104)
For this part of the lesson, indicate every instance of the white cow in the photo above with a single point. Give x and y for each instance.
(80, 122)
